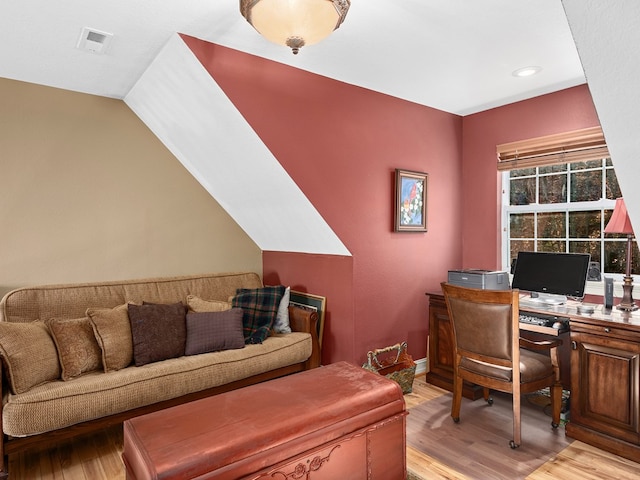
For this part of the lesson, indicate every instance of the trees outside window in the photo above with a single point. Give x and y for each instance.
(564, 208)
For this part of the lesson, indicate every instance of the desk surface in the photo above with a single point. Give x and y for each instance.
(599, 316)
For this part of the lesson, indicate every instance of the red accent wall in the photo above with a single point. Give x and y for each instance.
(341, 144)
(563, 111)
(332, 276)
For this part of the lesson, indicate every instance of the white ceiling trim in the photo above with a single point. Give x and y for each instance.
(188, 111)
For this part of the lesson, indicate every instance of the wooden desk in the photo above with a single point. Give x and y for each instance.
(602, 351)
(605, 381)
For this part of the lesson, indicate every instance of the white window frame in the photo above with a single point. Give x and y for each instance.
(592, 287)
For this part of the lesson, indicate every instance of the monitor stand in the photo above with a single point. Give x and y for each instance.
(545, 299)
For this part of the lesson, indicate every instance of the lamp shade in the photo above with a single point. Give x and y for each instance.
(295, 23)
(619, 221)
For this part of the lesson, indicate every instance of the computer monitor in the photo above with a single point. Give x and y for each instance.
(551, 277)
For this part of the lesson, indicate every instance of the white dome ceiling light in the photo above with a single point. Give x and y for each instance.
(295, 23)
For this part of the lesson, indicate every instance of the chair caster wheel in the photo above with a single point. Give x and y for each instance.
(513, 444)
(490, 400)
(554, 425)
(456, 420)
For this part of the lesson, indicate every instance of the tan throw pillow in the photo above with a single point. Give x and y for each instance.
(197, 304)
(20, 345)
(112, 330)
(78, 350)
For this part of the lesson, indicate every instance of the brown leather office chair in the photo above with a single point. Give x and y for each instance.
(488, 351)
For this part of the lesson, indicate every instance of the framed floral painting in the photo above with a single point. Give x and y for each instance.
(410, 201)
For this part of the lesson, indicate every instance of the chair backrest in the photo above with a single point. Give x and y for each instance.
(485, 323)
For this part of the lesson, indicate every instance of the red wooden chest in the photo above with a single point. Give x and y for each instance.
(334, 422)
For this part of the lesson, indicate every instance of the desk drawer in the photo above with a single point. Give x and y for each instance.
(608, 329)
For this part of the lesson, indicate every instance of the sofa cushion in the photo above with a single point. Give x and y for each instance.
(259, 306)
(20, 345)
(197, 304)
(112, 330)
(78, 350)
(214, 331)
(158, 332)
(95, 394)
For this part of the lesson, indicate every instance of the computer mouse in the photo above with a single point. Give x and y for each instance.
(557, 325)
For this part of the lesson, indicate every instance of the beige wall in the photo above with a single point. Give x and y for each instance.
(88, 193)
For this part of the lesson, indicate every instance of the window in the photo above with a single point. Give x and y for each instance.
(555, 206)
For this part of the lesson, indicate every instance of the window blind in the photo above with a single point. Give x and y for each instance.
(576, 146)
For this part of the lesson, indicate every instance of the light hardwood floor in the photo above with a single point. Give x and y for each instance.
(578, 461)
(98, 457)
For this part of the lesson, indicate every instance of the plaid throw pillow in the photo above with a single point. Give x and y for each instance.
(259, 307)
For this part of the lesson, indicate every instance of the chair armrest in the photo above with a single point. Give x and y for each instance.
(4, 459)
(302, 320)
(551, 346)
(544, 345)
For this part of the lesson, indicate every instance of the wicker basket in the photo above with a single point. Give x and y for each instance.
(399, 367)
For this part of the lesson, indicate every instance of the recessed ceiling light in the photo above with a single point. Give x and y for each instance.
(526, 71)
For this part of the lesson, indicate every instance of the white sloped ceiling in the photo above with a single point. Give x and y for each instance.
(187, 110)
(607, 37)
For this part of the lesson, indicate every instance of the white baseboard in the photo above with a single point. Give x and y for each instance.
(421, 365)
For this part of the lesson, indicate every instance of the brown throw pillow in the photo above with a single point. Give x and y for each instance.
(158, 332)
(197, 304)
(112, 330)
(20, 345)
(78, 350)
(214, 331)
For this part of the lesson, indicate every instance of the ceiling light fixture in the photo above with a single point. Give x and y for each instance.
(295, 23)
(527, 71)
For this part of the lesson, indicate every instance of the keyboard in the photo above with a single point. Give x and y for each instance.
(544, 320)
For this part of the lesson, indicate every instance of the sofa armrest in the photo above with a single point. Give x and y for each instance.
(4, 459)
(302, 320)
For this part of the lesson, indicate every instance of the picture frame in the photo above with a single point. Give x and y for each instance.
(315, 303)
(410, 201)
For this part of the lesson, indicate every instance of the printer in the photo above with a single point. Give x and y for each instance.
(483, 279)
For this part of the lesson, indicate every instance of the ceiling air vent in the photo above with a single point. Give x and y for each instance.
(93, 40)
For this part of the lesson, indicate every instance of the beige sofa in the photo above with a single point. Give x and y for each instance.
(38, 409)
